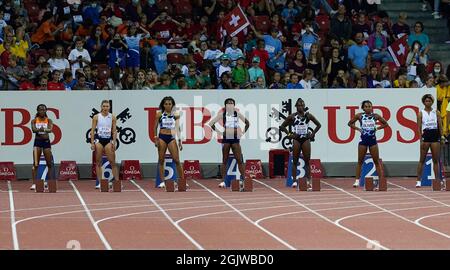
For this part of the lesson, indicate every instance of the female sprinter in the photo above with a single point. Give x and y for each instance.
(367, 122)
(41, 125)
(104, 139)
(169, 124)
(230, 136)
(301, 137)
(429, 123)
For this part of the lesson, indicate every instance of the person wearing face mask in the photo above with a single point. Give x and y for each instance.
(418, 35)
(230, 136)
(437, 70)
(79, 57)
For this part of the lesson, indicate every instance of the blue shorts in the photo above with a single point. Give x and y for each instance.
(133, 59)
(368, 141)
(166, 138)
(42, 143)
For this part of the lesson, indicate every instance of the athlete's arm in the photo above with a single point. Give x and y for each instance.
(49, 129)
(33, 126)
(94, 125)
(352, 122)
(383, 121)
(245, 120)
(178, 130)
(213, 122)
(155, 126)
(419, 124)
(316, 122)
(286, 123)
(441, 132)
(114, 131)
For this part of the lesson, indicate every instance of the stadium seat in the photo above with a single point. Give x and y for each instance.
(103, 72)
(182, 7)
(33, 12)
(324, 23)
(261, 23)
(175, 58)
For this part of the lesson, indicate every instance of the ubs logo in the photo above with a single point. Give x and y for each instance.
(125, 135)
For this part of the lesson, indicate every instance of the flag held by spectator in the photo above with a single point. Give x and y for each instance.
(235, 21)
(399, 50)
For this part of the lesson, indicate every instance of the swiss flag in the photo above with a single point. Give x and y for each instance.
(399, 50)
(235, 21)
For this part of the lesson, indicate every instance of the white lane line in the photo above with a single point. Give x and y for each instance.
(88, 213)
(390, 212)
(286, 244)
(429, 216)
(13, 218)
(323, 217)
(420, 194)
(195, 243)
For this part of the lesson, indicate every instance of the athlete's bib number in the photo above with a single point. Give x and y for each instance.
(301, 130)
(168, 123)
(104, 132)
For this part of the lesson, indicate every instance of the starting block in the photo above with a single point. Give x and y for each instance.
(316, 184)
(181, 185)
(447, 185)
(368, 184)
(302, 184)
(436, 185)
(116, 185)
(170, 185)
(245, 185)
(104, 185)
(51, 185)
(382, 185)
(39, 185)
(248, 185)
(235, 185)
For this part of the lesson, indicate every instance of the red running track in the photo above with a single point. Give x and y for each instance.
(207, 217)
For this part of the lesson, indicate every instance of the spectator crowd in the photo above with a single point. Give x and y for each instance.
(181, 44)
